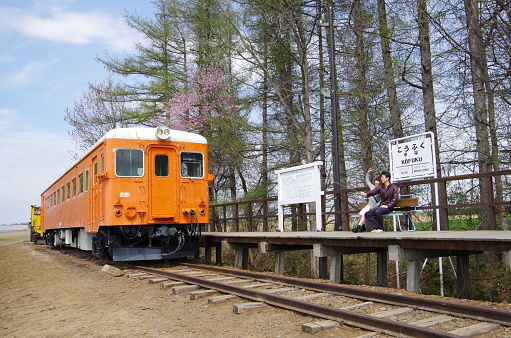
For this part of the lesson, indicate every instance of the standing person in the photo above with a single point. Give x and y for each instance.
(389, 195)
(374, 201)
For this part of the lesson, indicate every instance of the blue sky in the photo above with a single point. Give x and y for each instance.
(47, 58)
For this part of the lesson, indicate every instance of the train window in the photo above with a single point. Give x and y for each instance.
(58, 197)
(74, 187)
(54, 198)
(129, 162)
(95, 172)
(192, 164)
(102, 162)
(68, 190)
(86, 180)
(63, 193)
(161, 165)
(80, 184)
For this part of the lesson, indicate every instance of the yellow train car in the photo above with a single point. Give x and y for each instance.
(137, 194)
(36, 234)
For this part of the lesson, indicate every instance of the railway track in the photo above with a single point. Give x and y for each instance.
(388, 313)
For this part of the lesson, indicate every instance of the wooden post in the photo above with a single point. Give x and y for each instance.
(381, 268)
(207, 254)
(491, 208)
(218, 253)
(463, 274)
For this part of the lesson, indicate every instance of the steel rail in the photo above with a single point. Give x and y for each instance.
(321, 311)
(467, 311)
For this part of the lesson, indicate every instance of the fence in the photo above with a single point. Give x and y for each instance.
(261, 214)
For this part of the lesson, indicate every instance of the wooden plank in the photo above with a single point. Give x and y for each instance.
(407, 202)
(395, 312)
(194, 295)
(316, 327)
(432, 321)
(220, 299)
(251, 286)
(280, 290)
(314, 296)
(351, 307)
(476, 329)
(401, 203)
(240, 308)
(157, 280)
(179, 290)
(170, 285)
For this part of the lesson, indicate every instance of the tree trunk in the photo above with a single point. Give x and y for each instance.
(477, 53)
(361, 69)
(395, 113)
(428, 97)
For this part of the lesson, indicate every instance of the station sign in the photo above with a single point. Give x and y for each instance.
(412, 157)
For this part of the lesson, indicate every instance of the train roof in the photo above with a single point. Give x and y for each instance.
(150, 134)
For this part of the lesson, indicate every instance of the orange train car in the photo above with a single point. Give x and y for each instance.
(137, 194)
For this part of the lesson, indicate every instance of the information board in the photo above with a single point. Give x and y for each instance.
(301, 184)
(412, 157)
(297, 186)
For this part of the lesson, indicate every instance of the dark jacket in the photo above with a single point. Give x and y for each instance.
(389, 195)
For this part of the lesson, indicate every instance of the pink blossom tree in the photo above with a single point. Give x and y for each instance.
(197, 102)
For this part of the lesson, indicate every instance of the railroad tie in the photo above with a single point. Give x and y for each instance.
(157, 280)
(395, 312)
(220, 299)
(170, 285)
(194, 295)
(355, 306)
(280, 290)
(426, 322)
(476, 329)
(178, 290)
(240, 308)
(313, 296)
(316, 327)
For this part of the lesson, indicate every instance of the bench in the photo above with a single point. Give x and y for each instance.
(406, 206)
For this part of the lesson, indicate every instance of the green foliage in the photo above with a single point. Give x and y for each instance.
(157, 63)
(489, 281)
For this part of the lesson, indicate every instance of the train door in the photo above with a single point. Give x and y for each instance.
(163, 183)
(96, 203)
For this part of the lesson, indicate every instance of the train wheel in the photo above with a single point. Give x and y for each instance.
(99, 247)
(50, 239)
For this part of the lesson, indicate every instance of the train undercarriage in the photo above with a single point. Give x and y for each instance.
(132, 243)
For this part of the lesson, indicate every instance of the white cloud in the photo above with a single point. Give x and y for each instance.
(29, 73)
(7, 118)
(64, 26)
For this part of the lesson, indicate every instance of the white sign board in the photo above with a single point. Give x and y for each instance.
(412, 157)
(301, 184)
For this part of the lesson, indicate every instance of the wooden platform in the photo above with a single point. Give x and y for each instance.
(495, 241)
(393, 245)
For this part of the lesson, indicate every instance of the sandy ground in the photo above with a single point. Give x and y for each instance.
(45, 293)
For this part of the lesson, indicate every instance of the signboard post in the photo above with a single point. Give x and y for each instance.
(301, 184)
(414, 157)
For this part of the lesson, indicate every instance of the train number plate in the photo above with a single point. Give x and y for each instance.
(125, 194)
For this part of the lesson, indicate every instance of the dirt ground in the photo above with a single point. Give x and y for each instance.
(45, 293)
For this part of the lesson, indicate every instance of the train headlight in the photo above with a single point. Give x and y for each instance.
(162, 132)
